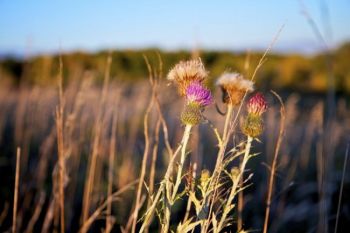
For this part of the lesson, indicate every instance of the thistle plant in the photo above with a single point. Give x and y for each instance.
(256, 106)
(212, 194)
(234, 87)
(189, 76)
(207, 194)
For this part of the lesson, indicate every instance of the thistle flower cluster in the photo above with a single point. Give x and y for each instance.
(234, 86)
(189, 77)
(253, 123)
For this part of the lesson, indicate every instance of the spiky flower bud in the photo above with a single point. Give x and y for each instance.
(204, 178)
(253, 123)
(235, 172)
(234, 86)
(252, 126)
(257, 104)
(186, 72)
(192, 114)
(197, 97)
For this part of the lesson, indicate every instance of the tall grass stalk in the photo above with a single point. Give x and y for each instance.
(274, 162)
(100, 209)
(112, 154)
(95, 146)
(341, 188)
(15, 196)
(36, 213)
(60, 144)
(144, 161)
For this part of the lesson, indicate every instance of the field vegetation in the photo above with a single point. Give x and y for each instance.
(119, 142)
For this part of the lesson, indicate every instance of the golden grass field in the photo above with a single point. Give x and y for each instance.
(91, 144)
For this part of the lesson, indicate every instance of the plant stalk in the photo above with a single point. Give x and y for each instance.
(233, 192)
(168, 205)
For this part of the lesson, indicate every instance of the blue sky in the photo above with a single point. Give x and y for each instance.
(44, 26)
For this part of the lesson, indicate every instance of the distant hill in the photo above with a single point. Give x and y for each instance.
(286, 71)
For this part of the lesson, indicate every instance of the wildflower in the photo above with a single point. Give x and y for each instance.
(197, 97)
(186, 72)
(195, 92)
(257, 105)
(233, 87)
(253, 124)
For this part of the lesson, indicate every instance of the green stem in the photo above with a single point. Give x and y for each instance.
(227, 121)
(164, 186)
(225, 137)
(227, 207)
(170, 202)
(182, 160)
(217, 170)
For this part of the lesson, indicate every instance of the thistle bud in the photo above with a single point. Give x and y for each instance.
(235, 172)
(205, 176)
(257, 105)
(253, 123)
(192, 114)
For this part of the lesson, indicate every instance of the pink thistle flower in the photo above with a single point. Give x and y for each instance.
(197, 93)
(257, 104)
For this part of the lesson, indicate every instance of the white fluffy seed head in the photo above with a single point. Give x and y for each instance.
(186, 72)
(233, 87)
(235, 80)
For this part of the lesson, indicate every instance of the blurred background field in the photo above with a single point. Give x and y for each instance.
(315, 88)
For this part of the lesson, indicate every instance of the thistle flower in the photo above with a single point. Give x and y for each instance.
(196, 92)
(257, 104)
(253, 124)
(197, 97)
(186, 72)
(233, 87)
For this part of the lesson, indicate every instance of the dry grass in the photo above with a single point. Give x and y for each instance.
(82, 158)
